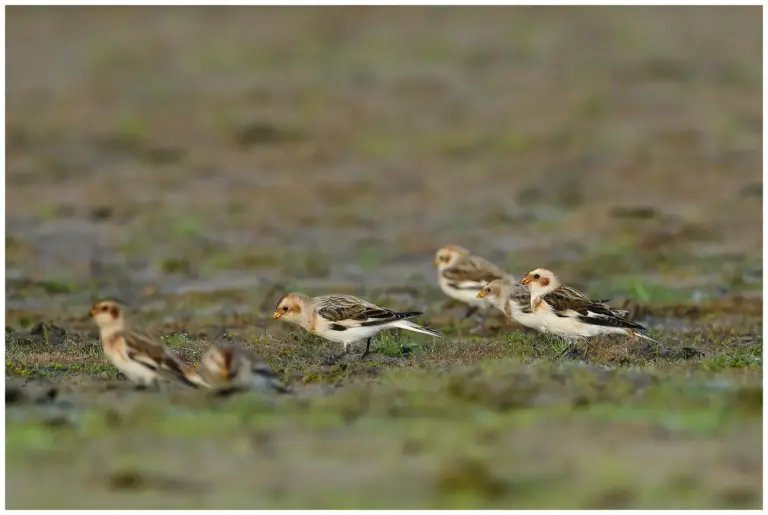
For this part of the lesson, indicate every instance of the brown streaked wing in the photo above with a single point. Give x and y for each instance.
(337, 308)
(562, 302)
(141, 346)
(473, 268)
(573, 293)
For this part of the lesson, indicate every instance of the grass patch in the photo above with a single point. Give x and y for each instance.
(451, 435)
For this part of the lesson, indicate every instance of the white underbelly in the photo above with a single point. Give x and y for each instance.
(468, 296)
(571, 327)
(351, 335)
(527, 319)
(135, 372)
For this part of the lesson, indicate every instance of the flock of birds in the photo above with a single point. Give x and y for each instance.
(538, 301)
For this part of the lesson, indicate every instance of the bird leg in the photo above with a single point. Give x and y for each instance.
(586, 347)
(567, 350)
(367, 349)
(471, 311)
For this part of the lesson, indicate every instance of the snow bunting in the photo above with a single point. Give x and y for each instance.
(344, 318)
(230, 367)
(462, 276)
(569, 313)
(141, 358)
(513, 300)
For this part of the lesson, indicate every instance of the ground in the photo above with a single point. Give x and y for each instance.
(199, 162)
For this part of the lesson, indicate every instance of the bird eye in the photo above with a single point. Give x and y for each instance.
(104, 308)
(536, 276)
(285, 308)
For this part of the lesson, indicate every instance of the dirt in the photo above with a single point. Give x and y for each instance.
(228, 155)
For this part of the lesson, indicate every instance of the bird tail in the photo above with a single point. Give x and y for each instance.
(645, 337)
(410, 326)
(279, 387)
(190, 377)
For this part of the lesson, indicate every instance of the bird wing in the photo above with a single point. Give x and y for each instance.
(565, 303)
(472, 272)
(143, 349)
(521, 296)
(244, 357)
(349, 311)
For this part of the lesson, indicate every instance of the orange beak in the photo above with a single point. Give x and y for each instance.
(276, 315)
(481, 294)
(436, 261)
(526, 279)
(92, 312)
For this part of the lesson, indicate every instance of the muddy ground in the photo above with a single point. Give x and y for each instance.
(200, 162)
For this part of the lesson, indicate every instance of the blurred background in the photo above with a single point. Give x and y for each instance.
(199, 162)
(208, 148)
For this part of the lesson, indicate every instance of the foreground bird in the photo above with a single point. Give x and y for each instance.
(142, 359)
(230, 368)
(344, 318)
(567, 312)
(462, 275)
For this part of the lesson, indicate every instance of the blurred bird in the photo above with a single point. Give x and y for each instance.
(462, 276)
(344, 318)
(567, 312)
(231, 368)
(142, 359)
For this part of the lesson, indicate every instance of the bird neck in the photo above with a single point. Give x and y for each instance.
(538, 291)
(110, 329)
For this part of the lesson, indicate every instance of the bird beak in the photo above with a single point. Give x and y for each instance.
(481, 294)
(526, 279)
(92, 312)
(224, 372)
(276, 315)
(436, 262)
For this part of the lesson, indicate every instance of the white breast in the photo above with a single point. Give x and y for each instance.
(468, 296)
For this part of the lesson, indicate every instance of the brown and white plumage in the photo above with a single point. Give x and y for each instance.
(513, 300)
(462, 275)
(232, 367)
(142, 359)
(344, 319)
(569, 313)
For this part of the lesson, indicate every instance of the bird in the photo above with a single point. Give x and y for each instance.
(229, 368)
(513, 300)
(344, 319)
(142, 359)
(462, 276)
(569, 313)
